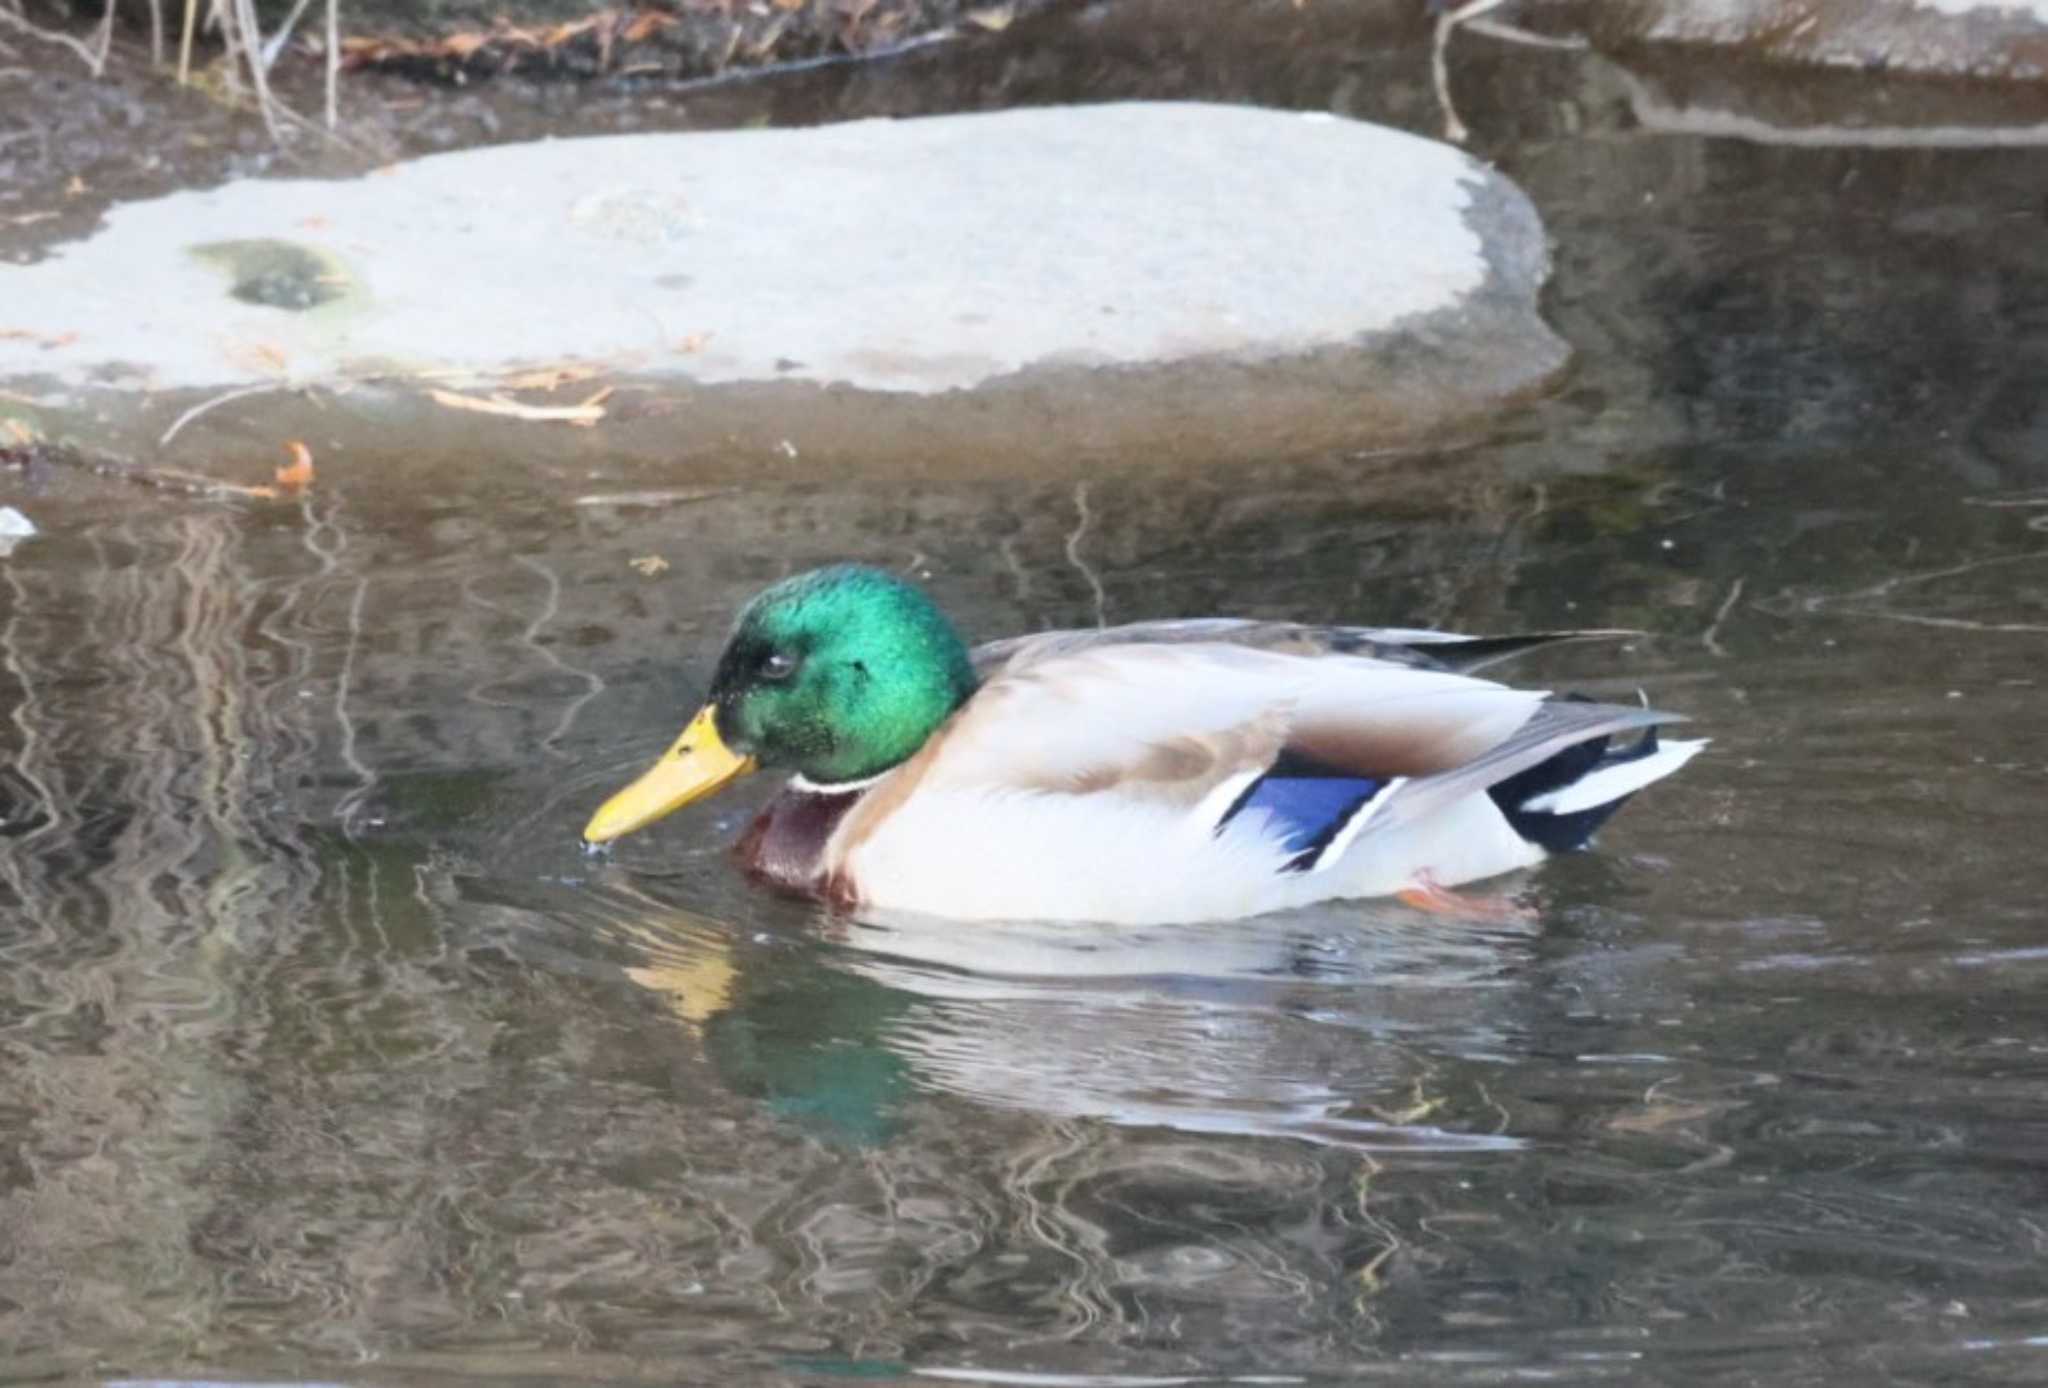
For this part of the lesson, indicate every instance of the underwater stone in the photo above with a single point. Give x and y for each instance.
(14, 528)
(2003, 40)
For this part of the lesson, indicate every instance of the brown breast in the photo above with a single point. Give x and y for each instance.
(785, 845)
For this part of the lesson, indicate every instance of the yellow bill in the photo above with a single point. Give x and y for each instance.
(698, 764)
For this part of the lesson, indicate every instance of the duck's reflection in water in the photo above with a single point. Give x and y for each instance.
(1342, 1026)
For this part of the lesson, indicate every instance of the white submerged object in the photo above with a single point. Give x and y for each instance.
(14, 528)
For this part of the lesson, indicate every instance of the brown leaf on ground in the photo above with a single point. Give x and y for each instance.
(504, 40)
(546, 378)
(43, 340)
(589, 412)
(18, 431)
(262, 357)
(994, 18)
(562, 33)
(648, 565)
(297, 475)
(76, 188)
(648, 23)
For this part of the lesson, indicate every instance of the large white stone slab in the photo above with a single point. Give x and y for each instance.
(913, 255)
(1032, 288)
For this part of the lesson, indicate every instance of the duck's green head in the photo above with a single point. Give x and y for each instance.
(837, 675)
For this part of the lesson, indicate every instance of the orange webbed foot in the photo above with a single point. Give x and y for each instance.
(1428, 896)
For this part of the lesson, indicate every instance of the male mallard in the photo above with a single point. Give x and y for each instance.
(1165, 771)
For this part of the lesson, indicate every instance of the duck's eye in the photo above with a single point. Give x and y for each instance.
(779, 665)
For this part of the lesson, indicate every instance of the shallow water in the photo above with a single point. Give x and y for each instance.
(328, 1057)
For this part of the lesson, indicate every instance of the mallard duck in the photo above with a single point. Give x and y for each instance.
(1159, 772)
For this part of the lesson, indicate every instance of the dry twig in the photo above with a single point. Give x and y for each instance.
(96, 60)
(589, 412)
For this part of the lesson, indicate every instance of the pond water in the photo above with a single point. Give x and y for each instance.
(328, 1057)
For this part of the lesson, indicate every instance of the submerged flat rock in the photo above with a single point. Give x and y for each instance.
(1996, 40)
(1871, 73)
(1391, 277)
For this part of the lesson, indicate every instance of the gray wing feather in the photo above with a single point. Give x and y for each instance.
(1554, 726)
(1426, 650)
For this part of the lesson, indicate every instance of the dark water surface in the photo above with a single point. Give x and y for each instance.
(325, 1056)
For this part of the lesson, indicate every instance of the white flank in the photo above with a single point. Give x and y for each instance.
(1034, 856)
(1467, 840)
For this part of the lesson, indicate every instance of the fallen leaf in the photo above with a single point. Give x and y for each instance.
(605, 28)
(1659, 1116)
(648, 21)
(18, 431)
(648, 565)
(994, 18)
(261, 357)
(76, 187)
(562, 33)
(589, 412)
(298, 474)
(547, 378)
(43, 340)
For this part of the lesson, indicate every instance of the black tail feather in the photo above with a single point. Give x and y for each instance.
(1566, 833)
